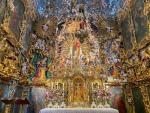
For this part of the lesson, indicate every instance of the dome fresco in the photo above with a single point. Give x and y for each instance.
(106, 7)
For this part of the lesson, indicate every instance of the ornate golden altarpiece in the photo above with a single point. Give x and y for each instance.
(79, 88)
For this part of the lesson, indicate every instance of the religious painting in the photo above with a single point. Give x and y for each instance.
(41, 59)
(126, 34)
(2, 9)
(140, 20)
(16, 17)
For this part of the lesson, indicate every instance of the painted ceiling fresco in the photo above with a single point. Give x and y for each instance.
(105, 7)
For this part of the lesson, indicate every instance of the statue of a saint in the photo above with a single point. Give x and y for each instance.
(79, 92)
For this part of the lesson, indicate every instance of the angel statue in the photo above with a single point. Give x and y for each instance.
(24, 69)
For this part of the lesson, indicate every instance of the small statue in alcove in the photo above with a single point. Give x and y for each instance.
(25, 66)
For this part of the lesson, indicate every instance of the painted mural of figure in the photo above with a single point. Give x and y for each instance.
(43, 73)
(40, 66)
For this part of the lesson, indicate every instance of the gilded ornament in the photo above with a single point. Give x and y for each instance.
(1, 67)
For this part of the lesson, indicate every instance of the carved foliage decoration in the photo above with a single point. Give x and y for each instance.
(9, 63)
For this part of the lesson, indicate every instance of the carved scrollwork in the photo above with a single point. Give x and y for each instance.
(145, 96)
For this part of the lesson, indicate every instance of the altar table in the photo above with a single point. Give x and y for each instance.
(78, 110)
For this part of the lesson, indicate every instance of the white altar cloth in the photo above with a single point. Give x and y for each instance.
(78, 110)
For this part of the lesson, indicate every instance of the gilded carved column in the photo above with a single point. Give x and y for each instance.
(132, 29)
(129, 99)
(146, 100)
(146, 12)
